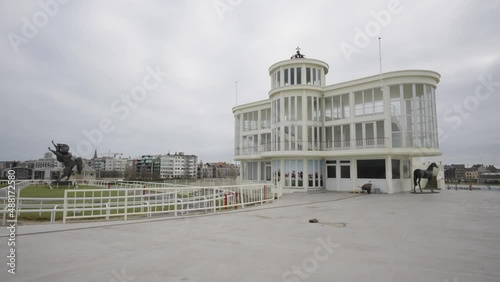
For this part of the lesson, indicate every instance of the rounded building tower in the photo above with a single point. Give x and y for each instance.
(297, 122)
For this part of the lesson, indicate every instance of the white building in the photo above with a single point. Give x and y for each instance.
(49, 161)
(178, 165)
(47, 168)
(114, 164)
(308, 135)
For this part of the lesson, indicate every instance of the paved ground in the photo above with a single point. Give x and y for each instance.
(451, 236)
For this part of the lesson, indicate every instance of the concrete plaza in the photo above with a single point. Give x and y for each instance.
(451, 236)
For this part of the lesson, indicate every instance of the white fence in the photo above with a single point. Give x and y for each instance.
(124, 200)
(144, 201)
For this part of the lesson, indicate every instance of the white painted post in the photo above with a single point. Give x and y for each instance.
(242, 199)
(65, 206)
(215, 204)
(53, 214)
(261, 195)
(175, 202)
(126, 205)
(107, 211)
(149, 209)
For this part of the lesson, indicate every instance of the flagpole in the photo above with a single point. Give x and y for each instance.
(236, 84)
(380, 62)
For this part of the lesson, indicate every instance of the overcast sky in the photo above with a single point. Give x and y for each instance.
(152, 77)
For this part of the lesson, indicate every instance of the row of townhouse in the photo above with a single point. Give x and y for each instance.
(476, 173)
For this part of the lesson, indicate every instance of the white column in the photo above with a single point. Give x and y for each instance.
(305, 137)
(354, 173)
(388, 174)
(388, 118)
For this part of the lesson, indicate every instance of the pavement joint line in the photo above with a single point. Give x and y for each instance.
(142, 221)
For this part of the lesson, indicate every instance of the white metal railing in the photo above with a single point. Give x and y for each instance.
(147, 201)
(33, 205)
(124, 199)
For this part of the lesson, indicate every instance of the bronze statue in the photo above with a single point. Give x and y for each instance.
(298, 55)
(64, 156)
(418, 174)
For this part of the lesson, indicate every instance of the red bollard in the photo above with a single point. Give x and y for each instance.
(109, 185)
(235, 200)
(225, 201)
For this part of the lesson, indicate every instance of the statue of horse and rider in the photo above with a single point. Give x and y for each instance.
(418, 174)
(64, 156)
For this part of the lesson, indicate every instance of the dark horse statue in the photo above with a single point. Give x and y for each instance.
(418, 174)
(64, 156)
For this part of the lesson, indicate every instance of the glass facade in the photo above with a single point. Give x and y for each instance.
(337, 107)
(296, 76)
(413, 116)
(302, 123)
(281, 142)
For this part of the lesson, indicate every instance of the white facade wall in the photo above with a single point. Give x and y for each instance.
(337, 137)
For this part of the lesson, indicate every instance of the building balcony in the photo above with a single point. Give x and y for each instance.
(362, 146)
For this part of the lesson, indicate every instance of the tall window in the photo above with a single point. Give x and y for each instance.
(313, 108)
(265, 171)
(293, 138)
(250, 170)
(345, 169)
(370, 134)
(250, 144)
(368, 102)
(331, 169)
(250, 121)
(396, 122)
(293, 76)
(276, 110)
(265, 142)
(276, 139)
(293, 108)
(395, 169)
(315, 172)
(413, 111)
(406, 169)
(313, 76)
(276, 79)
(314, 134)
(338, 137)
(276, 171)
(337, 107)
(265, 118)
(293, 174)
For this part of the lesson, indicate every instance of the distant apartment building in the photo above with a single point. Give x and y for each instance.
(218, 170)
(205, 170)
(109, 166)
(112, 164)
(471, 174)
(47, 168)
(178, 165)
(459, 171)
(145, 167)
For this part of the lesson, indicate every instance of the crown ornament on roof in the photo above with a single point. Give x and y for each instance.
(298, 55)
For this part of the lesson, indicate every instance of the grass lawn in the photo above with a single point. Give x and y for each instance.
(43, 191)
